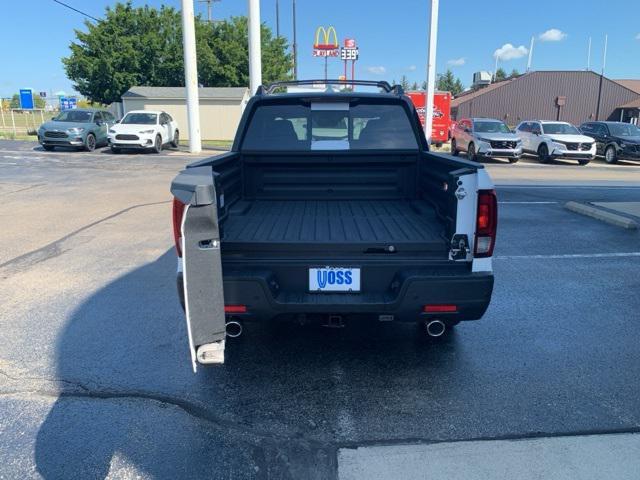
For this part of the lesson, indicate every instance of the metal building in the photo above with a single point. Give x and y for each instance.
(220, 107)
(572, 96)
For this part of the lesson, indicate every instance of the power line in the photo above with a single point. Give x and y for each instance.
(76, 10)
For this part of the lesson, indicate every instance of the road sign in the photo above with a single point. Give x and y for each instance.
(26, 99)
(68, 103)
(349, 54)
(326, 43)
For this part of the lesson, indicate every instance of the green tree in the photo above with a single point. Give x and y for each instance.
(447, 82)
(404, 82)
(514, 73)
(38, 101)
(143, 46)
(414, 86)
(500, 75)
(223, 55)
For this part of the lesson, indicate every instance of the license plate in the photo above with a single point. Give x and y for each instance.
(334, 279)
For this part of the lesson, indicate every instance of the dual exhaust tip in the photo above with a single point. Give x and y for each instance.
(435, 328)
(233, 328)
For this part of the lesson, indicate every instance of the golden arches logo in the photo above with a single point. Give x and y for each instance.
(326, 37)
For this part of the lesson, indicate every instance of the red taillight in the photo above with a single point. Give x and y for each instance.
(486, 223)
(235, 309)
(178, 211)
(440, 308)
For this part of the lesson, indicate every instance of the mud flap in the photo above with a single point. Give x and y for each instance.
(202, 267)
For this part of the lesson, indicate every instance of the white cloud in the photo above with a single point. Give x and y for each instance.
(509, 52)
(412, 68)
(456, 62)
(378, 70)
(552, 35)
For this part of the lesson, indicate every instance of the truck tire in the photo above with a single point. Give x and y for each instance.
(115, 150)
(454, 147)
(610, 155)
(583, 162)
(157, 144)
(543, 153)
(90, 142)
(471, 152)
(514, 159)
(48, 148)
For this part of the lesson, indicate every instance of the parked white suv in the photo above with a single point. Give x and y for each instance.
(550, 140)
(144, 129)
(485, 138)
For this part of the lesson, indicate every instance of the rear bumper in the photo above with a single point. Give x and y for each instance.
(264, 299)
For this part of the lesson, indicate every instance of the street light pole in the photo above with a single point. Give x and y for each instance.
(431, 70)
(191, 76)
(277, 19)
(255, 61)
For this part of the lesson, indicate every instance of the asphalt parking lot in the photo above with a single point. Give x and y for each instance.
(95, 375)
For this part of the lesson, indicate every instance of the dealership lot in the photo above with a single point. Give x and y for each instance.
(95, 377)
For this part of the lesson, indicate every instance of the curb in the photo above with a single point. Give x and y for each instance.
(602, 215)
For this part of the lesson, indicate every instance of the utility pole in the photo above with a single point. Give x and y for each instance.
(277, 19)
(589, 55)
(431, 70)
(209, 9)
(530, 54)
(191, 76)
(255, 60)
(604, 56)
(295, 44)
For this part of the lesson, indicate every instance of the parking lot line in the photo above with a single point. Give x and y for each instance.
(526, 203)
(569, 255)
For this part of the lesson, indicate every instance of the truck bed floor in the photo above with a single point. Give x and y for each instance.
(371, 222)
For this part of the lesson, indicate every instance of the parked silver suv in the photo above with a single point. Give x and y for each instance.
(485, 137)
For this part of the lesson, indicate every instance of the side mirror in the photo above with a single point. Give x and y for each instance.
(117, 121)
(99, 123)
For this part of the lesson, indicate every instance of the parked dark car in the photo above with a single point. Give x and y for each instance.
(614, 140)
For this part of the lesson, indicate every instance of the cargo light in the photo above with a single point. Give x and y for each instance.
(235, 309)
(486, 223)
(178, 211)
(440, 308)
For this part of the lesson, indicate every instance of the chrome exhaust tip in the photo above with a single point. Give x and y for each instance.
(233, 329)
(436, 328)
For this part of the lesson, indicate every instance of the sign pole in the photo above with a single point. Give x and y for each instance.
(191, 76)
(255, 61)
(431, 70)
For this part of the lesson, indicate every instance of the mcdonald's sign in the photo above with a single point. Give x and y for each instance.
(326, 43)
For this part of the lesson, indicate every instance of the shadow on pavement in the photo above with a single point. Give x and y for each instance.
(276, 409)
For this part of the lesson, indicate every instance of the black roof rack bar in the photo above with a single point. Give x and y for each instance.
(268, 89)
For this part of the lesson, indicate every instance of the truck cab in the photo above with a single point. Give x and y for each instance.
(330, 207)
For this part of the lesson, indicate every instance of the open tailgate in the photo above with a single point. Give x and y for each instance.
(201, 263)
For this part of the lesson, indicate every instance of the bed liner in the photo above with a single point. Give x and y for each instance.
(369, 222)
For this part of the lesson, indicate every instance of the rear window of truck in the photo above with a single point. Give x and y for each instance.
(330, 126)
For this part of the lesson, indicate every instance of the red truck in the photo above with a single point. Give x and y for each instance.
(441, 130)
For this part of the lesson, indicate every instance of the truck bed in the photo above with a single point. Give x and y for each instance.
(366, 225)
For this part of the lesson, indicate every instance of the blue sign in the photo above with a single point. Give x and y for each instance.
(68, 103)
(26, 98)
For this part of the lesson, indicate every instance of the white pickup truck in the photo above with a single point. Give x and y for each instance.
(329, 207)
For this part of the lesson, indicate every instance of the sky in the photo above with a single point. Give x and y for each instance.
(391, 36)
